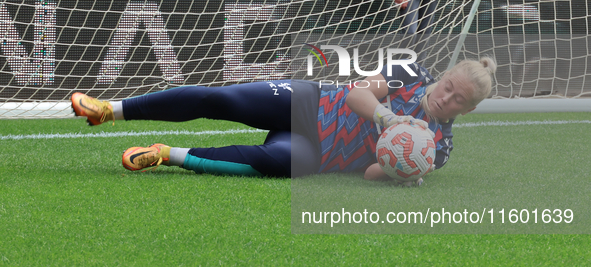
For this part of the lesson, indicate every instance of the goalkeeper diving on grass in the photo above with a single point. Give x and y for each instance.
(313, 128)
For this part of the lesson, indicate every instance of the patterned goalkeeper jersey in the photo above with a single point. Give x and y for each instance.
(348, 142)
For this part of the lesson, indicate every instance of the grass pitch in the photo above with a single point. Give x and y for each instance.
(68, 201)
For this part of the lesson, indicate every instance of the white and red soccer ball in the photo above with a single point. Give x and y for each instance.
(405, 151)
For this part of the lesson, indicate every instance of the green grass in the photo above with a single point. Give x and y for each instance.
(518, 167)
(69, 201)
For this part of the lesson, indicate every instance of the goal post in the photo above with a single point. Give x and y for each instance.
(527, 105)
(540, 102)
(114, 50)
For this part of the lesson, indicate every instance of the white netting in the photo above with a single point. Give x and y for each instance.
(119, 49)
(542, 47)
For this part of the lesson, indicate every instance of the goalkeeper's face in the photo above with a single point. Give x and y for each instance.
(451, 97)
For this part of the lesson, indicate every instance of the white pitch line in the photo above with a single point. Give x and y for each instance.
(240, 131)
(124, 134)
(515, 123)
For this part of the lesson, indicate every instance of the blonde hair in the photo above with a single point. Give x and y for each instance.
(478, 72)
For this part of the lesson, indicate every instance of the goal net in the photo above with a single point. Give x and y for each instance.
(119, 49)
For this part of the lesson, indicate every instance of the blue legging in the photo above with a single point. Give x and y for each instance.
(263, 105)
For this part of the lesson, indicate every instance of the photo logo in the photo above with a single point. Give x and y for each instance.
(345, 60)
(310, 57)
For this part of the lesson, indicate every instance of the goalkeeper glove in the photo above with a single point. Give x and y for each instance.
(386, 118)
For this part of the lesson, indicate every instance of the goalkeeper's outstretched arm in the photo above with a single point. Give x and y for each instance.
(364, 102)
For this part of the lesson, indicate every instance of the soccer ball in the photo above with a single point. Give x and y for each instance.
(405, 152)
